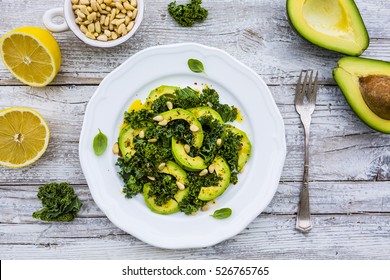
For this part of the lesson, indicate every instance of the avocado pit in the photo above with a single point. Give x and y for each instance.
(375, 90)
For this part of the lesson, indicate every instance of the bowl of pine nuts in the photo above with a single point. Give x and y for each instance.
(99, 23)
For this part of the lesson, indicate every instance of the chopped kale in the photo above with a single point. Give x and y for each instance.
(228, 113)
(187, 15)
(186, 98)
(229, 149)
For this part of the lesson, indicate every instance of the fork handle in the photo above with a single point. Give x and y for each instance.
(303, 216)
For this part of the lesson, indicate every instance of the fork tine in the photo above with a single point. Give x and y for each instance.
(313, 93)
(298, 91)
(304, 85)
(310, 82)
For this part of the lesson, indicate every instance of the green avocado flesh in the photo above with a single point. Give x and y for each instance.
(181, 114)
(223, 171)
(331, 24)
(125, 140)
(184, 160)
(206, 111)
(246, 147)
(172, 205)
(365, 84)
(158, 92)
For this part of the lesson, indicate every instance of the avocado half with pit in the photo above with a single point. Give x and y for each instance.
(172, 205)
(332, 24)
(365, 84)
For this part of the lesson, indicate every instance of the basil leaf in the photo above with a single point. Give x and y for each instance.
(99, 143)
(195, 65)
(222, 213)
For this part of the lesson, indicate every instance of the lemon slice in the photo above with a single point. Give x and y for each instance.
(31, 54)
(24, 136)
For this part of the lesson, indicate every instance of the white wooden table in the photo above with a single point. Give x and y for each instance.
(350, 163)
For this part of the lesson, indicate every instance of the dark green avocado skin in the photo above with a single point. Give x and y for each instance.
(308, 40)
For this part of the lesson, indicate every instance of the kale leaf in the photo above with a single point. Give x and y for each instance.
(163, 189)
(187, 15)
(210, 96)
(60, 203)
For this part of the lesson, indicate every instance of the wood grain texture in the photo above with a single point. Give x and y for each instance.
(350, 163)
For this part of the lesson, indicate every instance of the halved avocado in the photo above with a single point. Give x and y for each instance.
(172, 205)
(223, 171)
(246, 147)
(206, 111)
(332, 24)
(181, 114)
(184, 160)
(365, 84)
(125, 141)
(158, 92)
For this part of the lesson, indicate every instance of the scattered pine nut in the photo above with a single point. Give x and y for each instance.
(158, 118)
(205, 208)
(151, 178)
(163, 123)
(203, 172)
(194, 128)
(211, 168)
(161, 166)
(169, 105)
(152, 140)
(180, 185)
(141, 133)
(115, 148)
(219, 142)
(187, 148)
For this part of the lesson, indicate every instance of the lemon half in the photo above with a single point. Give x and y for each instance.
(31, 54)
(24, 136)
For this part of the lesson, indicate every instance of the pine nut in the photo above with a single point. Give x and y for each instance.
(205, 208)
(96, 34)
(211, 168)
(121, 28)
(135, 12)
(151, 178)
(93, 5)
(106, 21)
(133, 3)
(107, 33)
(180, 185)
(120, 16)
(169, 103)
(97, 27)
(84, 10)
(194, 128)
(89, 9)
(75, 1)
(129, 14)
(92, 16)
(103, 6)
(84, 2)
(158, 118)
(115, 148)
(152, 140)
(130, 26)
(161, 166)
(127, 5)
(203, 172)
(141, 133)
(108, 2)
(219, 142)
(113, 13)
(118, 21)
(163, 123)
(83, 29)
(91, 27)
(127, 20)
(119, 5)
(114, 35)
(80, 14)
(102, 38)
(187, 148)
(90, 35)
(111, 27)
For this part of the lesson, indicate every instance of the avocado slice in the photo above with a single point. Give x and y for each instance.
(332, 24)
(181, 114)
(125, 141)
(172, 205)
(184, 160)
(365, 84)
(206, 111)
(246, 147)
(223, 171)
(158, 92)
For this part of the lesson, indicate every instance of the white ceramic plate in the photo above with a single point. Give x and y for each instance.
(237, 85)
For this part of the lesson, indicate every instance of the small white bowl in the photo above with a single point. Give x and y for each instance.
(69, 23)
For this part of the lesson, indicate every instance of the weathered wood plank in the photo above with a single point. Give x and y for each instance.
(268, 237)
(258, 34)
(19, 202)
(342, 147)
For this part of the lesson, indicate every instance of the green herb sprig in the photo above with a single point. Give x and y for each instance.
(100, 143)
(223, 213)
(196, 65)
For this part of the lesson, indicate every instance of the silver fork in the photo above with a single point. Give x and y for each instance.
(305, 100)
